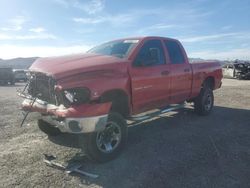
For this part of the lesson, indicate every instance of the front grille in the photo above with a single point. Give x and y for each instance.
(41, 86)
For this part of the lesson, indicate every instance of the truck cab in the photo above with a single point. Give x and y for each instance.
(160, 74)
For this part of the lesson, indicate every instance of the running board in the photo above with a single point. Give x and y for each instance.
(156, 113)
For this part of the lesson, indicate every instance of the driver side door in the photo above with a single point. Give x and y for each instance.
(149, 77)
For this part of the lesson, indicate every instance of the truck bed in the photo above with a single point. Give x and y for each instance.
(205, 69)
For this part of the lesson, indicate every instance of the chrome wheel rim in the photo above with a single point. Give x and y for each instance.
(208, 102)
(109, 139)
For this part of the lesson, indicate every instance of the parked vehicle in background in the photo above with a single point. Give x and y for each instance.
(95, 93)
(20, 75)
(237, 69)
(7, 76)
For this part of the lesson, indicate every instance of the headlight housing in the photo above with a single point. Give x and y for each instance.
(77, 95)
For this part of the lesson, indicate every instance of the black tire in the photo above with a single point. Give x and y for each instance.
(203, 104)
(89, 142)
(48, 128)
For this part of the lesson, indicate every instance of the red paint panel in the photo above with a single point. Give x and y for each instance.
(181, 82)
(150, 89)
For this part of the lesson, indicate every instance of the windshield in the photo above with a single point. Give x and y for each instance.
(120, 48)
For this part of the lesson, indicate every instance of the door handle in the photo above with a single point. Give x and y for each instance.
(186, 70)
(165, 73)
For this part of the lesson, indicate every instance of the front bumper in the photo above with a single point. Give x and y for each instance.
(83, 118)
(77, 125)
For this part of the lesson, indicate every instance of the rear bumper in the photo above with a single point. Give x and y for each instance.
(83, 118)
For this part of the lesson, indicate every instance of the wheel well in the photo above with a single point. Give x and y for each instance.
(119, 99)
(209, 82)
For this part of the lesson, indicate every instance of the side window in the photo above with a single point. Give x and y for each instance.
(175, 52)
(150, 54)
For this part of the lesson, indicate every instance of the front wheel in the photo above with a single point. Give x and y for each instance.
(204, 103)
(105, 145)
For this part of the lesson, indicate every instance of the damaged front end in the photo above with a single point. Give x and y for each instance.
(69, 110)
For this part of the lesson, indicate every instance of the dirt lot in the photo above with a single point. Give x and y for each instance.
(178, 150)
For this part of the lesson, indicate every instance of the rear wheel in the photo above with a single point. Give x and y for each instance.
(204, 103)
(48, 128)
(107, 144)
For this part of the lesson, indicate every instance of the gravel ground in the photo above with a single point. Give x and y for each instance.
(179, 149)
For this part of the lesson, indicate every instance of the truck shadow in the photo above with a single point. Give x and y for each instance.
(170, 151)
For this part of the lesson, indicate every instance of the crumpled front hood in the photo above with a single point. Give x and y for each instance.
(60, 67)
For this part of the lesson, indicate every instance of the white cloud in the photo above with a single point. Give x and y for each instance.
(89, 20)
(4, 37)
(37, 30)
(36, 36)
(15, 24)
(13, 51)
(15, 29)
(113, 20)
(136, 17)
(221, 36)
(157, 27)
(241, 53)
(90, 6)
(64, 3)
(162, 26)
(209, 37)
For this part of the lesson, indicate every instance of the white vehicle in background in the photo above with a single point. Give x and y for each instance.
(20, 75)
(237, 69)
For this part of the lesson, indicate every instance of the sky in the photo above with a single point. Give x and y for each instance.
(208, 29)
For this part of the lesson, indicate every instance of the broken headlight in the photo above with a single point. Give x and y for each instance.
(77, 95)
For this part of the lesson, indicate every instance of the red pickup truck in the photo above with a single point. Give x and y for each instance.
(93, 94)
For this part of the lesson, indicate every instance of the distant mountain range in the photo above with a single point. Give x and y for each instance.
(18, 63)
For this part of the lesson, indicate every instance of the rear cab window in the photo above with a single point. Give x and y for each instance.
(175, 53)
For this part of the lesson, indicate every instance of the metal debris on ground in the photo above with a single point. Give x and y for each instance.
(73, 167)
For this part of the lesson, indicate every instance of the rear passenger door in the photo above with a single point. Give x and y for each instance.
(149, 77)
(181, 72)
